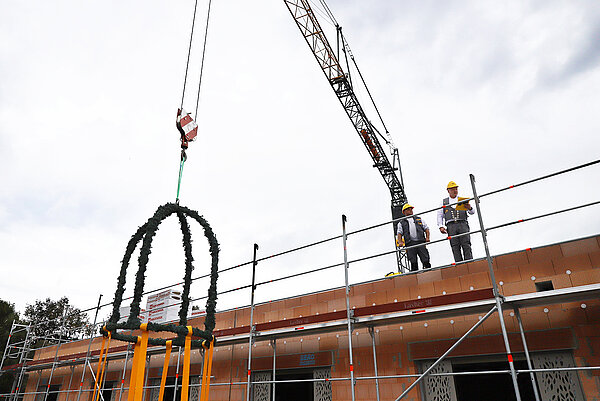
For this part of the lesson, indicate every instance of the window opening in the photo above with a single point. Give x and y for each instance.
(544, 286)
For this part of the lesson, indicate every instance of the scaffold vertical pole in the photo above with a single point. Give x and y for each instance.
(176, 374)
(497, 295)
(70, 383)
(12, 329)
(349, 312)
(526, 349)
(87, 354)
(124, 370)
(56, 353)
(372, 334)
(274, 345)
(145, 385)
(22, 361)
(250, 336)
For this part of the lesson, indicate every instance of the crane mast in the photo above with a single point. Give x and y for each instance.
(340, 83)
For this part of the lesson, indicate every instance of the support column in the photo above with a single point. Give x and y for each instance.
(176, 374)
(349, 312)
(145, 385)
(56, 353)
(274, 345)
(250, 336)
(70, 382)
(497, 295)
(124, 370)
(526, 349)
(371, 332)
(87, 355)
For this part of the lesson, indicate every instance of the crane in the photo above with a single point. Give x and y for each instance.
(341, 84)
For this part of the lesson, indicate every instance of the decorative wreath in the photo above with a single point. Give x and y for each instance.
(146, 233)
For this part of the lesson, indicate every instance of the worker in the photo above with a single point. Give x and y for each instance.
(414, 231)
(452, 220)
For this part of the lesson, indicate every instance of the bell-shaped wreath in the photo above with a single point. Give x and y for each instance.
(146, 233)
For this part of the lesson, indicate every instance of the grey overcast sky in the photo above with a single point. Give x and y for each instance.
(89, 90)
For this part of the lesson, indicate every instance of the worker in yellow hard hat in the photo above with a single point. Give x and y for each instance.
(452, 220)
(412, 231)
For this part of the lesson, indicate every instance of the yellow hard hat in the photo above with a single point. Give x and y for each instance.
(452, 184)
(406, 206)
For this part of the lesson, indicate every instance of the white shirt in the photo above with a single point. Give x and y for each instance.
(412, 228)
(440, 212)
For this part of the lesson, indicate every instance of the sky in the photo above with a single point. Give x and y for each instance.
(89, 149)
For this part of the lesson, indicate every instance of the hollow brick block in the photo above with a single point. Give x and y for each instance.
(383, 285)
(454, 271)
(511, 259)
(544, 253)
(423, 290)
(361, 289)
(429, 276)
(302, 310)
(573, 263)
(509, 274)
(585, 277)
(293, 302)
(580, 247)
(440, 330)
(595, 259)
(450, 285)
(478, 266)
(537, 270)
(398, 294)
(325, 296)
(407, 281)
(559, 281)
(522, 287)
(476, 280)
(376, 298)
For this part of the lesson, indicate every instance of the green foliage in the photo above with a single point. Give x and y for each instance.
(46, 318)
(145, 234)
(8, 315)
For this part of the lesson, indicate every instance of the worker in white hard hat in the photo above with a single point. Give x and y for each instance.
(414, 231)
(452, 220)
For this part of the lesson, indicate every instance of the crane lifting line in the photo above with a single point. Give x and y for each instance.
(187, 64)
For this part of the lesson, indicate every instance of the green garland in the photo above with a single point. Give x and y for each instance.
(146, 234)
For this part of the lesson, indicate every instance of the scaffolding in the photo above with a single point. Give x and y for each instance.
(487, 302)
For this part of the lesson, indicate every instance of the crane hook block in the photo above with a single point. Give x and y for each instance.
(187, 127)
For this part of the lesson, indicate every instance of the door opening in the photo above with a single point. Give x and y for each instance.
(294, 391)
(491, 386)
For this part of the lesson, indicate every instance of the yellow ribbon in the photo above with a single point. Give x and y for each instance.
(163, 380)
(185, 384)
(208, 355)
(96, 387)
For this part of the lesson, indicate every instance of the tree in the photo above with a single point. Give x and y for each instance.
(8, 314)
(46, 318)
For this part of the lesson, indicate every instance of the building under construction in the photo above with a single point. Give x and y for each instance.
(524, 325)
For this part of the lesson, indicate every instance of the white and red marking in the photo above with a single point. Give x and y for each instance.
(187, 125)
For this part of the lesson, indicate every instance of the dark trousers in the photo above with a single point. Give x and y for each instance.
(412, 255)
(462, 243)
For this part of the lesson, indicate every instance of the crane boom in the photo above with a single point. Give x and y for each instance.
(317, 41)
